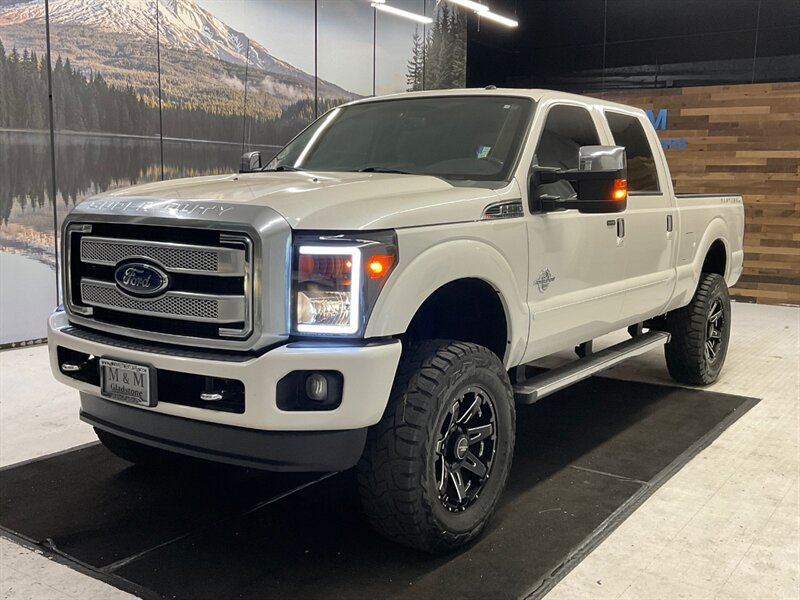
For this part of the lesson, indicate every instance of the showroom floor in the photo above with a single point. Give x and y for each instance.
(726, 526)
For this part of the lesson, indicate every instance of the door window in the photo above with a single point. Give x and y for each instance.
(628, 131)
(566, 129)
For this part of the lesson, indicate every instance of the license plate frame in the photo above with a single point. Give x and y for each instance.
(135, 383)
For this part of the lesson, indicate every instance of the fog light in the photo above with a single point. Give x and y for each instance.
(317, 387)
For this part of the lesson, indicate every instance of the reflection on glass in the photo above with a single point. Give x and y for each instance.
(97, 164)
(468, 138)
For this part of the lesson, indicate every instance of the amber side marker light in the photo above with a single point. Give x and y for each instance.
(620, 189)
(378, 266)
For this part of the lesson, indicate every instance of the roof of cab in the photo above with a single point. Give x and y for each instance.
(535, 94)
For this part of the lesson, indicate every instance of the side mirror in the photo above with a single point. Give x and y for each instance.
(600, 182)
(251, 162)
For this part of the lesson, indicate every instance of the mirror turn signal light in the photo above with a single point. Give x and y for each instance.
(620, 191)
(378, 266)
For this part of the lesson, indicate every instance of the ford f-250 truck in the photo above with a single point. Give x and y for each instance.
(371, 296)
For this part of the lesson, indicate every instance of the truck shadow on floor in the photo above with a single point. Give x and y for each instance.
(195, 530)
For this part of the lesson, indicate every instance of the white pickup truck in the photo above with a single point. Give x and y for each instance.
(369, 297)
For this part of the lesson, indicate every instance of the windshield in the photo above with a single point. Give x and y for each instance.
(454, 137)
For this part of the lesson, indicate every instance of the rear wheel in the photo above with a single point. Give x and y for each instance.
(700, 333)
(435, 465)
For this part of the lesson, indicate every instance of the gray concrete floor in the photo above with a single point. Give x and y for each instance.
(726, 526)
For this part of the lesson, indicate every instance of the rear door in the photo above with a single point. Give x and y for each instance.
(650, 221)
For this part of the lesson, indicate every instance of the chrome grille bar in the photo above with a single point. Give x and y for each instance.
(185, 306)
(176, 258)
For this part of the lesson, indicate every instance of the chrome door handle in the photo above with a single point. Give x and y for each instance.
(620, 227)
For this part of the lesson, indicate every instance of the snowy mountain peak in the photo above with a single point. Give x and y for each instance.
(183, 25)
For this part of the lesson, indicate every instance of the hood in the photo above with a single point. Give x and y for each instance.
(331, 201)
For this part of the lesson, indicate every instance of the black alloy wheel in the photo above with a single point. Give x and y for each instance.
(715, 325)
(465, 448)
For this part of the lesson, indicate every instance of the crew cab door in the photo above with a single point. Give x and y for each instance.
(577, 261)
(650, 219)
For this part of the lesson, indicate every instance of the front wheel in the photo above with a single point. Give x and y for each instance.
(435, 465)
(700, 333)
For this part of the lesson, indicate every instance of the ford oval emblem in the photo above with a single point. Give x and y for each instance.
(141, 279)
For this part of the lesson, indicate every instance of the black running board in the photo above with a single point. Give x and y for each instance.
(539, 386)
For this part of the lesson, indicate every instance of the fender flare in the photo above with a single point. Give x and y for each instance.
(413, 283)
(717, 229)
(688, 274)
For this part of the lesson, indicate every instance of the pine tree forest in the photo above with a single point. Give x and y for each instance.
(438, 56)
(89, 104)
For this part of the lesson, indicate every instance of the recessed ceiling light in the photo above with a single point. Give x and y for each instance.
(498, 19)
(401, 13)
(476, 6)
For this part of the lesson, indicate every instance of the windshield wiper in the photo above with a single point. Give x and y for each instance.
(384, 170)
(283, 168)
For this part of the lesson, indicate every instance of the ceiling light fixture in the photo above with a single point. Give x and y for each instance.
(498, 19)
(401, 13)
(476, 6)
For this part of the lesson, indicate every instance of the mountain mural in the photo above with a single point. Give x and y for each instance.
(203, 60)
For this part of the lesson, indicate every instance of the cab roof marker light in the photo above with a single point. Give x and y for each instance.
(476, 6)
(402, 13)
(355, 286)
(498, 19)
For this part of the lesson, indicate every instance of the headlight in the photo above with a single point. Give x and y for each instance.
(335, 281)
(328, 289)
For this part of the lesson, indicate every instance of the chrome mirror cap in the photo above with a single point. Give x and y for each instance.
(250, 162)
(601, 158)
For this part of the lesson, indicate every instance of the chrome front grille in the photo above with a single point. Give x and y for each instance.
(210, 276)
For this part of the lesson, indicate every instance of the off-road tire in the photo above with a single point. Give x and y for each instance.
(133, 452)
(688, 359)
(396, 474)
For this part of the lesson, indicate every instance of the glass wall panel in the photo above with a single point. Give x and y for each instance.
(203, 67)
(400, 50)
(105, 91)
(27, 241)
(345, 51)
(445, 47)
(280, 80)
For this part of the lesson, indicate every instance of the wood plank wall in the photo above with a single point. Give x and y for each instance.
(742, 139)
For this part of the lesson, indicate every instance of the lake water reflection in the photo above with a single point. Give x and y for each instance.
(85, 165)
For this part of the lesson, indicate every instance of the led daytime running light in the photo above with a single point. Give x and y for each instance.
(355, 288)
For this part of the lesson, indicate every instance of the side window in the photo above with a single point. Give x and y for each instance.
(566, 129)
(628, 131)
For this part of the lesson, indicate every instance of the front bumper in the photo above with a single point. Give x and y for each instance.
(268, 450)
(368, 372)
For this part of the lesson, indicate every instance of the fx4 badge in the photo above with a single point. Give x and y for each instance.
(545, 279)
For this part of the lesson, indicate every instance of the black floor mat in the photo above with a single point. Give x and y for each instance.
(584, 459)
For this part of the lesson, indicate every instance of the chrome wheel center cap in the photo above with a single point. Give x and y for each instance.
(462, 446)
